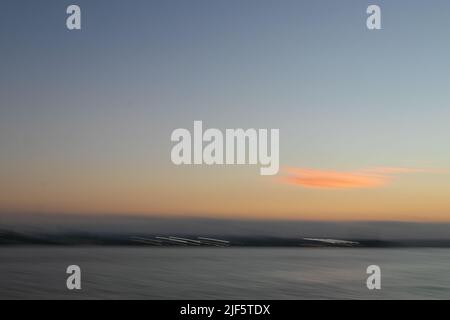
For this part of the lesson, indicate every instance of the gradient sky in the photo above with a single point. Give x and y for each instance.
(86, 116)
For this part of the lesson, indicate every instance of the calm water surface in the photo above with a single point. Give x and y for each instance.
(223, 273)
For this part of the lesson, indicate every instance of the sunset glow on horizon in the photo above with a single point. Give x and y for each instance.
(86, 117)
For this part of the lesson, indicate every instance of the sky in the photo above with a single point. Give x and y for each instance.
(86, 116)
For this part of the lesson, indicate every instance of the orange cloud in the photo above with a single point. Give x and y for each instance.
(367, 178)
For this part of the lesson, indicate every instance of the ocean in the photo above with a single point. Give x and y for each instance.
(223, 273)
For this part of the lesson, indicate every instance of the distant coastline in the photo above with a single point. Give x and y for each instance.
(14, 238)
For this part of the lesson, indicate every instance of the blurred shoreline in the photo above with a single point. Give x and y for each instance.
(13, 238)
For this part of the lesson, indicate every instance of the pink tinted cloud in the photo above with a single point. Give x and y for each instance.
(331, 179)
